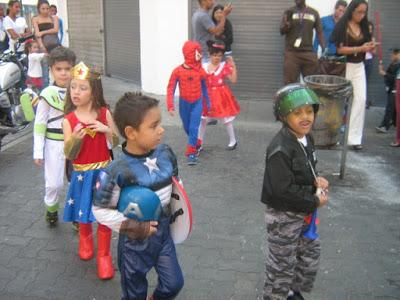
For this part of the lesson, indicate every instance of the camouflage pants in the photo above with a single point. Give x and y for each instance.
(292, 260)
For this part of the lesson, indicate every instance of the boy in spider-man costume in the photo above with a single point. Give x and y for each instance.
(193, 91)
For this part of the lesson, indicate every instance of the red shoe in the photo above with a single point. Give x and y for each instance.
(105, 268)
(85, 241)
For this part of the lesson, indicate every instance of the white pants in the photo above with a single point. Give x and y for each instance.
(54, 165)
(356, 74)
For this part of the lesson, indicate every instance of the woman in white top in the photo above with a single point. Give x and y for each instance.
(15, 26)
(3, 34)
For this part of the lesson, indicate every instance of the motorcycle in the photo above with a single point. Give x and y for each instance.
(13, 69)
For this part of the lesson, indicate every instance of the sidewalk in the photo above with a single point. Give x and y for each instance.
(224, 257)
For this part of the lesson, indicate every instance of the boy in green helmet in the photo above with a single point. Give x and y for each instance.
(289, 191)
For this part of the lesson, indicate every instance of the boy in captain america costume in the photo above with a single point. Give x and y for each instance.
(146, 163)
(48, 146)
(192, 92)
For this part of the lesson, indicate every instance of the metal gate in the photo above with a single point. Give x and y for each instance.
(85, 34)
(389, 11)
(122, 39)
(258, 46)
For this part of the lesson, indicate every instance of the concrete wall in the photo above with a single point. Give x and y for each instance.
(164, 29)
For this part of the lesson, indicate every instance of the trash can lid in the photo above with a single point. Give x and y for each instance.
(326, 82)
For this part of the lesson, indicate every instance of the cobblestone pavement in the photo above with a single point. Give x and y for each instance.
(224, 258)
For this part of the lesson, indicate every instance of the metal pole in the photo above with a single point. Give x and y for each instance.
(346, 136)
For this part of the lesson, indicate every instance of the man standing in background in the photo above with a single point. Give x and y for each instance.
(298, 23)
(328, 23)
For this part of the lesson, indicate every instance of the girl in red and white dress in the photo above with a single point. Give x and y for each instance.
(89, 133)
(224, 107)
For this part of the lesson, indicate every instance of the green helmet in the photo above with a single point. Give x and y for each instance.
(293, 96)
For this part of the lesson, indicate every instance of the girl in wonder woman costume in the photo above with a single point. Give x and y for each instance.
(89, 133)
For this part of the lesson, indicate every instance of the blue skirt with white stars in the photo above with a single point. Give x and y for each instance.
(78, 205)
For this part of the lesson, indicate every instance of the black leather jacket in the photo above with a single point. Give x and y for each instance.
(288, 179)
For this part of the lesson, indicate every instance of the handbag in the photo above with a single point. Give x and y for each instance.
(50, 41)
(332, 65)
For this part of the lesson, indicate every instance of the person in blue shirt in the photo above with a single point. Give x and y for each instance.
(53, 12)
(328, 23)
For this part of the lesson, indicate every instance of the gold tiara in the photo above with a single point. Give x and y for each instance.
(82, 71)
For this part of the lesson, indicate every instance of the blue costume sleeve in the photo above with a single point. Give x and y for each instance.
(106, 191)
(110, 182)
(205, 93)
(61, 30)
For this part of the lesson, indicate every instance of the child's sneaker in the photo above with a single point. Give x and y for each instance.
(295, 296)
(52, 218)
(192, 159)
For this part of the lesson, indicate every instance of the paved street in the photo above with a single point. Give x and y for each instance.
(224, 258)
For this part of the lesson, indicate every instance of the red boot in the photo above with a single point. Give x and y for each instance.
(105, 268)
(85, 241)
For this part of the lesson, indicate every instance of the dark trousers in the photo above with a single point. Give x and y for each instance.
(296, 62)
(390, 111)
(136, 258)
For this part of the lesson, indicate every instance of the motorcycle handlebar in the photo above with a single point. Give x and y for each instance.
(23, 39)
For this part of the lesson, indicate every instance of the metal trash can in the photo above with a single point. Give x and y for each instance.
(334, 92)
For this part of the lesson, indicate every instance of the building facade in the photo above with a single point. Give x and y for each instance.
(141, 40)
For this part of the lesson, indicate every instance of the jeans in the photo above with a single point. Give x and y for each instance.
(45, 73)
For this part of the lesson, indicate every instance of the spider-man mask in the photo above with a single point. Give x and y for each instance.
(192, 53)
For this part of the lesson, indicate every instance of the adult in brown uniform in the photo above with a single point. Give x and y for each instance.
(298, 23)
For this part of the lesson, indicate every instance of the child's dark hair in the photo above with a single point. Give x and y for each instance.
(215, 47)
(130, 110)
(61, 53)
(28, 45)
(97, 94)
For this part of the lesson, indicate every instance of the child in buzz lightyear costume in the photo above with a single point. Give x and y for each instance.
(48, 136)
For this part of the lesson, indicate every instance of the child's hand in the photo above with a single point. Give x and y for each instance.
(321, 183)
(138, 230)
(78, 132)
(153, 228)
(99, 127)
(171, 113)
(323, 199)
(38, 162)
